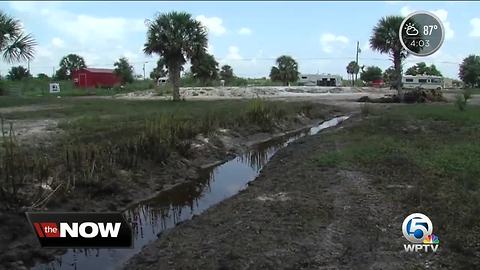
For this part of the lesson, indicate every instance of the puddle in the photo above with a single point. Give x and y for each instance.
(150, 218)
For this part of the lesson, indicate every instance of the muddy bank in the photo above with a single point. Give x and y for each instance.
(20, 249)
(295, 215)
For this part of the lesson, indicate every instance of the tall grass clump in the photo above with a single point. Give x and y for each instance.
(18, 167)
(263, 114)
(157, 138)
(462, 99)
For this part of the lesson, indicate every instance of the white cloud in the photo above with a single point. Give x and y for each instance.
(23, 6)
(406, 10)
(245, 31)
(100, 40)
(365, 47)
(58, 42)
(132, 57)
(392, 2)
(87, 29)
(475, 22)
(329, 41)
(442, 14)
(214, 25)
(210, 48)
(233, 53)
(84, 29)
(42, 52)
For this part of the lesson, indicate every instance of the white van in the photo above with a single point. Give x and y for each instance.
(422, 82)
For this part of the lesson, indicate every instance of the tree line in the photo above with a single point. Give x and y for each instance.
(191, 46)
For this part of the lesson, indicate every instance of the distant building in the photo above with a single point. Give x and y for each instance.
(320, 80)
(449, 83)
(422, 82)
(95, 77)
(377, 83)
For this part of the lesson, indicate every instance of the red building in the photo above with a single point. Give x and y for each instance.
(377, 83)
(95, 77)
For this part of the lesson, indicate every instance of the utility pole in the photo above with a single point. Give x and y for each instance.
(356, 62)
(144, 70)
(28, 65)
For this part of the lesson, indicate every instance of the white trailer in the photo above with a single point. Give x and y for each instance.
(422, 82)
(162, 81)
(320, 80)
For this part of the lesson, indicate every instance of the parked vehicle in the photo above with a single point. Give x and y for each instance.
(162, 81)
(422, 82)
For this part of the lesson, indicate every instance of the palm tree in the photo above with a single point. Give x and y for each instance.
(386, 39)
(353, 68)
(286, 70)
(176, 37)
(14, 44)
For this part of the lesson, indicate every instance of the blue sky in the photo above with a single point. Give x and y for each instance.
(246, 35)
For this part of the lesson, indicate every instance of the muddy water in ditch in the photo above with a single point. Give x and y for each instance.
(151, 217)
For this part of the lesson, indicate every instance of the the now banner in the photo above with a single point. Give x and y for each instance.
(81, 229)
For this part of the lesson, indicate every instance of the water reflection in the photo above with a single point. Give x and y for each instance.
(151, 217)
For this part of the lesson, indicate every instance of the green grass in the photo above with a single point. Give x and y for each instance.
(102, 136)
(429, 136)
(475, 91)
(33, 87)
(9, 101)
(435, 148)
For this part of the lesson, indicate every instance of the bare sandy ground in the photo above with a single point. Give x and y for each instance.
(202, 93)
(39, 132)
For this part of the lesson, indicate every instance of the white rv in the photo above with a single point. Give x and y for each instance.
(320, 80)
(422, 82)
(162, 81)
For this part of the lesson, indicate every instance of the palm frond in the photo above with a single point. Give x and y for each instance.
(21, 48)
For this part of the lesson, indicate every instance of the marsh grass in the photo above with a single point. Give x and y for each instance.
(102, 137)
(18, 168)
(264, 114)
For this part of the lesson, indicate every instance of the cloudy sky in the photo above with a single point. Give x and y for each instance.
(246, 35)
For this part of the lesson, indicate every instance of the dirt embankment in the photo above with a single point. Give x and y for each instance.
(227, 92)
(19, 248)
(295, 215)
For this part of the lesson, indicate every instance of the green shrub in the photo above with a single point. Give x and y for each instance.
(263, 114)
(462, 99)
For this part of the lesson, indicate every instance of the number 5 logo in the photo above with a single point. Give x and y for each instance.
(416, 227)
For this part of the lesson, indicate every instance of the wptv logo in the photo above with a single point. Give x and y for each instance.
(418, 229)
(86, 230)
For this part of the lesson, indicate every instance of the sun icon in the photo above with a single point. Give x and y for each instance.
(409, 25)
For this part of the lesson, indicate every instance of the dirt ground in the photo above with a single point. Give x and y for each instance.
(208, 93)
(19, 250)
(295, 215)
(279, 222)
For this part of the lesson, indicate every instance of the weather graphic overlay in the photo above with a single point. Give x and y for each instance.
(422, 33)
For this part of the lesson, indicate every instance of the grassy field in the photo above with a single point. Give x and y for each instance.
(34, 87)
(435, 149)
(102, 136)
